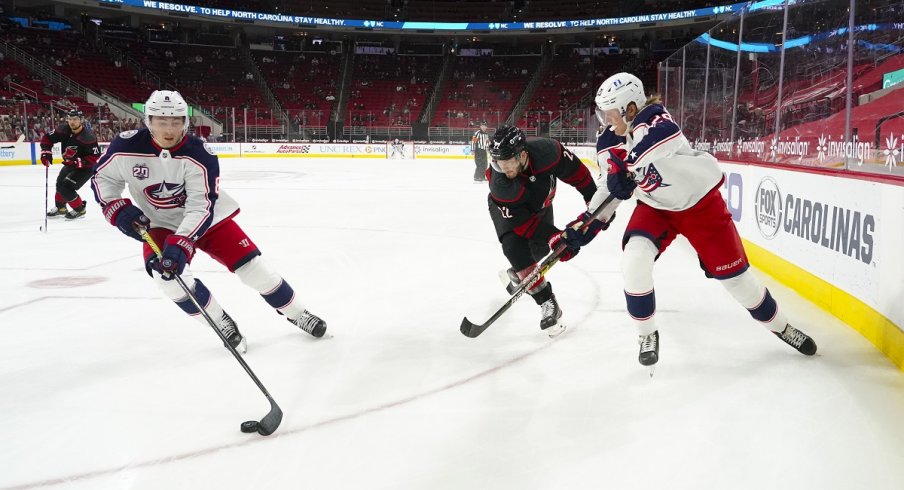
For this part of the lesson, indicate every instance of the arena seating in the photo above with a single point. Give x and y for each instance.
(303, 82)
(390, 90)
(483, 88)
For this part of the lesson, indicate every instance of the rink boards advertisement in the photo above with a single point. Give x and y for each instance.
(13, 153)
(838, 241)
(312, 150)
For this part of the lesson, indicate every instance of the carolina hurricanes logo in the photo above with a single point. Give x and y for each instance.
(652, 180)
(165, 195)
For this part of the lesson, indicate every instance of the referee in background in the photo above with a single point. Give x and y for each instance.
(480, 143)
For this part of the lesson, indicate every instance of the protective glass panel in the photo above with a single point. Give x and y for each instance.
(758, 85)
(720, 83)
(877, 116)
(694, 83)
(814, 87)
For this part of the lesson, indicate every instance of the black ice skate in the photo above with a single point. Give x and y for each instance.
(230, 330)
(76, 212)
(797, 339)
(649, 349)
(55, 211)
(551, 315)
(310, 323)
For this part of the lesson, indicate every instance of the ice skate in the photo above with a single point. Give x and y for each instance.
(230, 330)
(76, 212)
(797, 339)
(551, 315)
(55, 211)
(510, 280)
(310, 323)
(649, 350)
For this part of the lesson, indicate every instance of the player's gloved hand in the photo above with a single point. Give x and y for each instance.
(177, 251)
(576, 238)
(619, 181)
(124, 215)
(46, 158)
(557, 240)
(76, 162)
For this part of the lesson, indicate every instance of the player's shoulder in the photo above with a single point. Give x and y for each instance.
(544, 153)
(197, 148)
(608, 139)
(136, 141)
(648, 113)
(505, 190)
(131, 138)
(87, 136)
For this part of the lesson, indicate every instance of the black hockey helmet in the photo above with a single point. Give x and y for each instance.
(75, 113)
(508, 142)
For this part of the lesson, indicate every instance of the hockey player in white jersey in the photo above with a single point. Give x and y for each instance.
(677, 189)
(174, 180)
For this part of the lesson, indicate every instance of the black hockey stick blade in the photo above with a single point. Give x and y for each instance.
(271, 421)
(471, 330)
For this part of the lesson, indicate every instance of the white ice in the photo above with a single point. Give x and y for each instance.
(104, 384)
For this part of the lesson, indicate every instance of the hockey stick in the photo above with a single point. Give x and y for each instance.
(46, 202)
(471, 330)
(270, 422)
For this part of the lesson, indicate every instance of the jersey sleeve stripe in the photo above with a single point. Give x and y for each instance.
(657, 145)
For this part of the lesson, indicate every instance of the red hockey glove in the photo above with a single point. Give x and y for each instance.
(558, 240)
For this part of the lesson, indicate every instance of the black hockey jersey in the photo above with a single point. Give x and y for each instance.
(522, 199)
(79, 150)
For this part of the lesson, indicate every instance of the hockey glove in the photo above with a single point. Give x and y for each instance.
(46, 158)
(619, 181)
(574, 237)
(177, 251)
(558, 240)
(122, 214)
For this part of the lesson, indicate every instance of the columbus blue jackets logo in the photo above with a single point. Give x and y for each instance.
(652, 180)
(165, 195)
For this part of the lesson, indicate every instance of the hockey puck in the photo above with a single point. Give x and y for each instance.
(250, 426)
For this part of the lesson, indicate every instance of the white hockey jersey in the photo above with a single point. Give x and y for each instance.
(176, 188)
(670, 175)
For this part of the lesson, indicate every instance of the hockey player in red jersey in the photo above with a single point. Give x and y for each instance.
(677, 189)
(80, 152)
(522, 176)
(174, 180)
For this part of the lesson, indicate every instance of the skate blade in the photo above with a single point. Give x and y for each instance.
(652, 370)
(242, 347)
(555, 330)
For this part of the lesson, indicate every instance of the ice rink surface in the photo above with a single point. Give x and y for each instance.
(105, 384)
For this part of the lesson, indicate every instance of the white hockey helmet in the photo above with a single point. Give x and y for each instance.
(617, 92)
(166, 103)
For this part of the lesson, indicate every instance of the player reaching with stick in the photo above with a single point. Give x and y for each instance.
(175, 182)
(522, 177)
(677, 191)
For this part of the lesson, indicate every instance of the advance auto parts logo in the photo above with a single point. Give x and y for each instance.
(768, 207)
